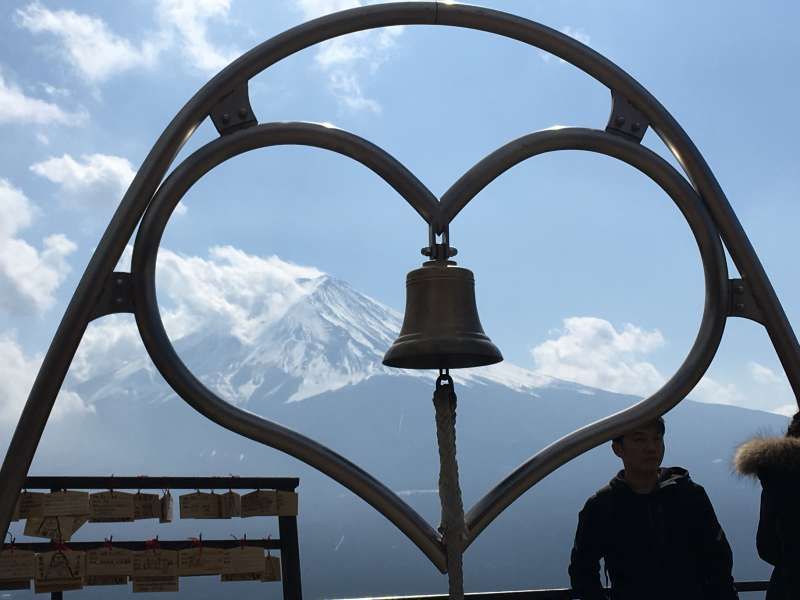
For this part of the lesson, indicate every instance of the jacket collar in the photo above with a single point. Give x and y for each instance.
(667, 477)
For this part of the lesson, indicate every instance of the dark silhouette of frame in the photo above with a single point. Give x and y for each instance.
(150, 201)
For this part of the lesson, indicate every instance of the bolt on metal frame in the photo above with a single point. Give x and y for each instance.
(150, 201)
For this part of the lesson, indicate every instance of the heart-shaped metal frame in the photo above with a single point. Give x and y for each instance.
(702, 202)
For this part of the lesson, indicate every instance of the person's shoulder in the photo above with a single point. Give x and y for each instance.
(601, 499)
(677, 482)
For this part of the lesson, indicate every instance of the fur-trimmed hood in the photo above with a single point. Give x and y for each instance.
(768, 454)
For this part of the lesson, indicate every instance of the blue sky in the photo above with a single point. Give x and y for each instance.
(585, 270)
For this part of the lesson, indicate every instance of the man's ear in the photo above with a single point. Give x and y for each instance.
(617, 448)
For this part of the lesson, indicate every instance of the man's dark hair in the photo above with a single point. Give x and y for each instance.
(659, 423)
(794, 426)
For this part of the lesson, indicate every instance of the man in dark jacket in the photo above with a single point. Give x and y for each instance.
(654, 528)
(776, 462)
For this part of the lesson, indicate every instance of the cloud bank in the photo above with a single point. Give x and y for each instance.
(29, 276)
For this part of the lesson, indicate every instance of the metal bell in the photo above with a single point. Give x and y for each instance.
(441, 328)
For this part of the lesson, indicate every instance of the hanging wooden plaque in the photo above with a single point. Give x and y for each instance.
(146, 506)
(166, 508)
(200, 505)
(111, 507)
(59, 529)
(109, 561)
(59, 571)
(163, 583)
(260, 503)
(272, 569)
(200, 561)
(30, 504)
(93, 580)
(286, 504)
(17, 564)
(66, 504)
(245, 563)
(155, 563)
(230, 505)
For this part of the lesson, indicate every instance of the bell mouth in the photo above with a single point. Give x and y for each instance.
(416, 351)
(441, 328)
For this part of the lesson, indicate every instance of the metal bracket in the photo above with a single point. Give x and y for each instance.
(742, 303)
(233, 112)
(117, 296)
(625, 118)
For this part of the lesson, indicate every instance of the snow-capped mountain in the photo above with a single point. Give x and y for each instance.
(326, 336)
(304, 349)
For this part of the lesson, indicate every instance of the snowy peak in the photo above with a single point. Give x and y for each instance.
(261, 330)
(334, 336)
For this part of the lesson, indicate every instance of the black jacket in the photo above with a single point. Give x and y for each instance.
(776, 462)
(663, 545)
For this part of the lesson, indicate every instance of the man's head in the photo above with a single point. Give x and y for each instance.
(642, 448)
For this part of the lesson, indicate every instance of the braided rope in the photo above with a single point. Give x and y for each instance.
(453, 527)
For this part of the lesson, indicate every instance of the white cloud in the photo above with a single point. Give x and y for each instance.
(347, 89)
(765, 375)
(345, 58)
(189, 18)
(29, 277)
(91, 47)
(99, 178)
(17, 372)
(231, 290)
(108, 345)
(710, 390)
(593, 352)
(17, 108)
(97, 53)
(112, 173)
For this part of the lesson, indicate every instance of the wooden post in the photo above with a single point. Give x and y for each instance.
(290, 558)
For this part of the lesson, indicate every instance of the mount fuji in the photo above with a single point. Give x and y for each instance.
(303, 348)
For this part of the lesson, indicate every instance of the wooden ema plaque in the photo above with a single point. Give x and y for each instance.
(17, 568)
(269, 503)
(200, 505)
(163, 583)
(66, 504)
(111, 507)
(166, 508)
(286, 504)
(200, 561)
(230, 505)
(155, 562)
(97, 580)
(109, 561)
(245, 563)
(59, 571)
(272, 568)
(30, 504)
(59, 529)
(146, 506)
(108, 566)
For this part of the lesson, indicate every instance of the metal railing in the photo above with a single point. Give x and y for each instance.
(541, 594)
